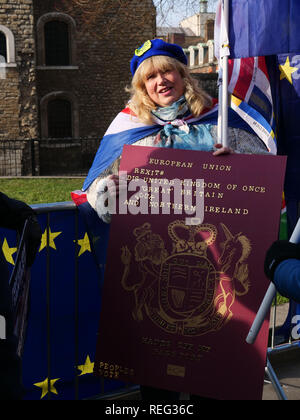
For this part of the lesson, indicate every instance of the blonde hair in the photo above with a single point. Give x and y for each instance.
(140, 102)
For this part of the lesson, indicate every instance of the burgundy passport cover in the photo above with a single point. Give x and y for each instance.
(179, 300)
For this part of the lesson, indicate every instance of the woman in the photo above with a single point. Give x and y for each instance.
(166, 109)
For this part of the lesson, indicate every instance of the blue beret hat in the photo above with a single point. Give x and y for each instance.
(156, 47)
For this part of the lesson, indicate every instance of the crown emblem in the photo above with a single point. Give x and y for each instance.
(190, 290)
(191, 239)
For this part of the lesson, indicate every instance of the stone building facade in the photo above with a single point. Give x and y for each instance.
(18, 96)
(62, 75)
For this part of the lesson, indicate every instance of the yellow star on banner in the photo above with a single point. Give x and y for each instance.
(88, 367)
(84, 245)
(8, 252)
(44, 386)
(286, 71)
(52, 236)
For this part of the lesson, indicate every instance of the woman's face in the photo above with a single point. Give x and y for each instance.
(164, 87)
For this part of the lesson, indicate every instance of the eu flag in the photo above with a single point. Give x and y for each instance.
(64, 306)
(284, 70)
(263, 27)
(268, 29)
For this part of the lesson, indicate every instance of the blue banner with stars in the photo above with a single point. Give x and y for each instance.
(284, 70)
(64, 306)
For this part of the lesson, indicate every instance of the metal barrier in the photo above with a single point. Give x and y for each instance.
(47, 157)
(281, 343)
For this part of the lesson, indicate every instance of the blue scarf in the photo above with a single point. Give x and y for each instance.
(177, 133)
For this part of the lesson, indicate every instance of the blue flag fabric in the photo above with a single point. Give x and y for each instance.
(64, 309)
(263, 27)
(284, 71)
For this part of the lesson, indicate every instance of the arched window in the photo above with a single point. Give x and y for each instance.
(59, 115)
(7, 46)
(59, 118)
(56, 43)
(3, 49)
(56, 40)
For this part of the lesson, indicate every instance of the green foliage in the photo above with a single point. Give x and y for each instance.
(40, 190)
(280, 300)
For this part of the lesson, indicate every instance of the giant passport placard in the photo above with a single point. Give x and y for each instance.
(179, 298)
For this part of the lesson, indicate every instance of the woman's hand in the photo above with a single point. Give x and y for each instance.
(222, 150)
(116, 184)
(107, 191)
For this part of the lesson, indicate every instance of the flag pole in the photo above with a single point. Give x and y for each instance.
(269, 296)
(220, 84)
(224, 60)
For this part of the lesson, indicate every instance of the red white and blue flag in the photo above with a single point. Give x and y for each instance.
(249, 81)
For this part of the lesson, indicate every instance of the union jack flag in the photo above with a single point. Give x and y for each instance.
(249, 81)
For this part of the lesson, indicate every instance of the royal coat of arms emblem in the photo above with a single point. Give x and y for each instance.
(190, 289)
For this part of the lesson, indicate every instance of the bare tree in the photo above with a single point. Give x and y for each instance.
(182, 9)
